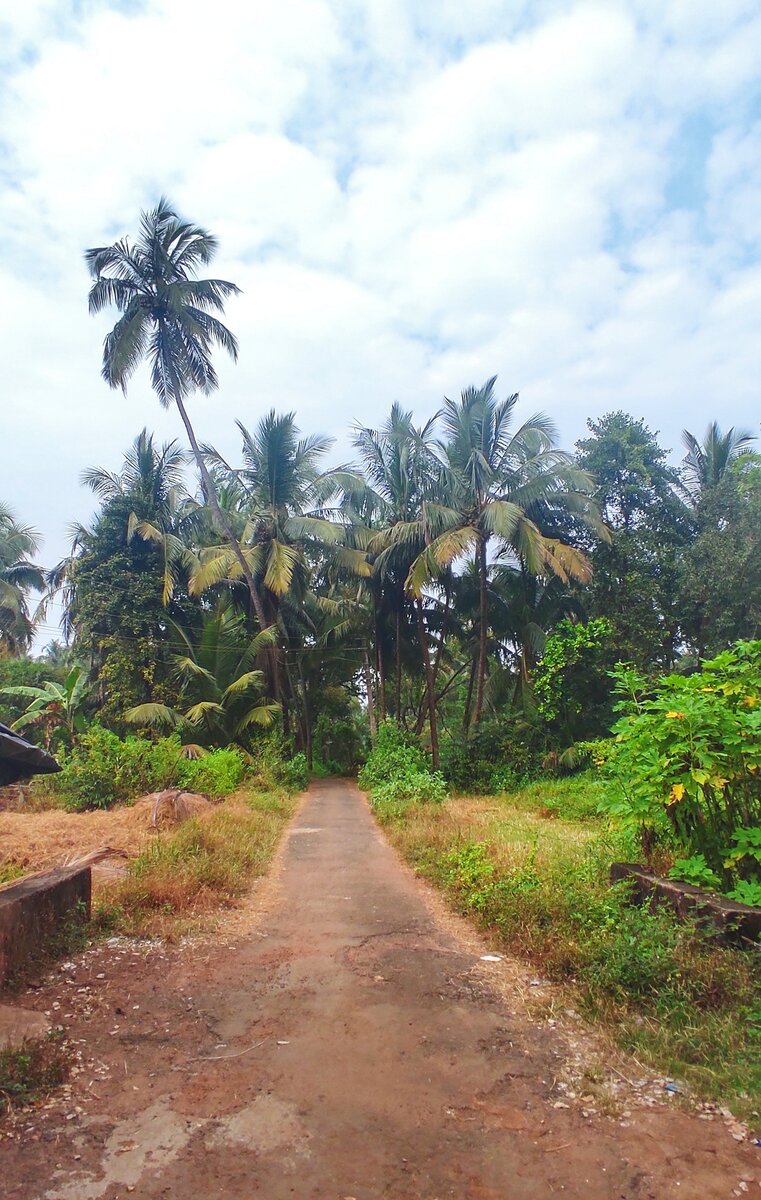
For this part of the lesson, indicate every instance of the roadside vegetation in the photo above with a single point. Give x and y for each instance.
(29, 1072)
(206, 864)
(532, 868)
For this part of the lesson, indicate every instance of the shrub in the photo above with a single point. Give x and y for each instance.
(293, 773)
(103, 769)
(572, 680)
(687, 761)
(501, 754)
(216, 774)
(32, 1070)
(397, 773)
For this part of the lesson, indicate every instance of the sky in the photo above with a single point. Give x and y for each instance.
(413, 196)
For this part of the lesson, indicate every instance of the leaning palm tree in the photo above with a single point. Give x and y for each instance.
(168, 316)
(18, 575)
(706, 463)
(501, 483)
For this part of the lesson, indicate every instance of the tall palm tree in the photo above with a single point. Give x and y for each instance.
(169, 317)
(500, 483)
(18, 576)
(706, 463)
(290, 524)
(286, 500)
(401, 470)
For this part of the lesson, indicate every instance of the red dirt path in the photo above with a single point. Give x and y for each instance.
(349, 1044)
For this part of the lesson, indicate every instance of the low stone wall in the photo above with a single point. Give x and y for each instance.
(34, 910)
(733, 922)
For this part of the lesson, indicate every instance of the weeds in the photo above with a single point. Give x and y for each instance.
(204, 864)
(540, 886)
(31, 1071)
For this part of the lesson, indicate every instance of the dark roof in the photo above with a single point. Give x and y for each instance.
(19, 759)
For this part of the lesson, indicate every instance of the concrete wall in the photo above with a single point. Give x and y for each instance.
(34, 912)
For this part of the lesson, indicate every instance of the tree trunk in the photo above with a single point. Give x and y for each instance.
(444, 629)
(307, 716)
(430, 693)
(379, 659)
(220, 519)
(482, 632)
(469, 697)
(398, 684)
(370, 700)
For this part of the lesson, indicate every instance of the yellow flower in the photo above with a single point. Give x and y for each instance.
(677, 793)
(750, 701)
(674, 716)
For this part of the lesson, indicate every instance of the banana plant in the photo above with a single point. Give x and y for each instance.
(54, 705)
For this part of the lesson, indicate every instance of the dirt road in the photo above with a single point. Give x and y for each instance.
(350, 1043)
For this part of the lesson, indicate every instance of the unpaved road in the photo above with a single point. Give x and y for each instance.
(350, 1043)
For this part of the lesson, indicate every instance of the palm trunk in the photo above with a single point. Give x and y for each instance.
(219, 517)
(444, 628)
(430, 693)
(482, 632)
(398, 685)
(370, 700)
(307, 716)
(379, 659)
(469, 697)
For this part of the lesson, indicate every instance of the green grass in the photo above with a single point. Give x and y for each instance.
(33, 1070)
(11, 871)
(533, 870)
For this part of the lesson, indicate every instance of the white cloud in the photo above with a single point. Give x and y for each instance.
(411, 196)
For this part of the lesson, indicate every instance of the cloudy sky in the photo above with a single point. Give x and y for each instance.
(412, 195)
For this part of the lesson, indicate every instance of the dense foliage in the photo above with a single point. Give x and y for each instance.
(104, 768)
(687, 758)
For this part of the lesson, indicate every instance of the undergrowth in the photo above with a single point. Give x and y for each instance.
(32, 1070)
(538, 882)
(202, 865)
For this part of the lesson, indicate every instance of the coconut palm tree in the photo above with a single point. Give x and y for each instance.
(221, 689)
(168, 316)
(18, 576)
(162, 511)
(501, 483)
(291, 524)
(286, 501)
(402, 472)
(706, 462)
(150, 491)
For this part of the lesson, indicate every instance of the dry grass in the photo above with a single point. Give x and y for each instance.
(39, 840)
(180, 877)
